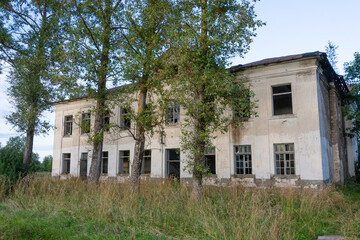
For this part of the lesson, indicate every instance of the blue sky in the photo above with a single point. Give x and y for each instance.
(293, 26)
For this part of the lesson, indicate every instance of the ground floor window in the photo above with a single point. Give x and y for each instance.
(124, 162)
(146, 163)
(284, 158)
(66, 163)
(243, 164)
(83, 164)
(210, 160)
(104, 162)
(173, 163)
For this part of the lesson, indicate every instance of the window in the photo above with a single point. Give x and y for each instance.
(146, 164)
(124, 162)
(282, 100)
(173, 163)
(284, 159)
(125, 122)
(172, 114)
(106, 121)
(83, 164)
(243, 163)
(104, 162)
(242, 109)
(66, 163)
(85, 123)
(68, 125)
(210, 160)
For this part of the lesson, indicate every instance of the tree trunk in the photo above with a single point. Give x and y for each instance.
(28, 148)
(139, 145)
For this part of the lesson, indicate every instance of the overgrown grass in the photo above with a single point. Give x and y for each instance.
(70, 210)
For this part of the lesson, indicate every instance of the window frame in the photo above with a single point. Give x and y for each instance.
(172, 114)
(102, 163)
(286, 161)
(66, 123)
(106, 121)
(245, 157)
(85, 118)
(84, 159)
(146, 157)
(125, 121)
(122, 156)
(66, 167)
(281, 94)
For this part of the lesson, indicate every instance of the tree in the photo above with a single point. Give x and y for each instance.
(11, 156)
(210, 33)
(46, 164)
(93, 48)
(144, 39)
(30, 36)
(332, 54)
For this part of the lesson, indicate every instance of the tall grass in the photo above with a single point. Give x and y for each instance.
(70, 210)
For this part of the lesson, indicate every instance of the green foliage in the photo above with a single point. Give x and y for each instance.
(332, 54)
(11, 160)
(70, 210)
(46, 164)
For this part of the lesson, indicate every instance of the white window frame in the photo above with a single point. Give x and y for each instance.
(284, 152)
(68, 122)
(66, 160)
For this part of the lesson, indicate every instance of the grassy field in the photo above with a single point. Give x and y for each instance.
(68, 210)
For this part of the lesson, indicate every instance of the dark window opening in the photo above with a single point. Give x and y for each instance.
(85, 123)
(83, 164)
(124, 162)
(172, 116)
(173, 163)
(285, 159)
(282, 100)
(66, 163)
(243, 164)
(104, 162)
(146, 163)
(68, 125)
(106, 121)
(125, 122)
(210, 160)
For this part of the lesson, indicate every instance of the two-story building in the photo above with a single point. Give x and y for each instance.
(297, 139)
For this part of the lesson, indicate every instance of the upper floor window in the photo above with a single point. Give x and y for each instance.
(125, 122)
(106, 121)
(282, 100)
(172, 114)
(85, 123)
(243, 164)
(284, 159)
(68, 125)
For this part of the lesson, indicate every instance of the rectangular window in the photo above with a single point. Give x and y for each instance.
(66, 163)
(106, 121)
(172, 116)
(284, 159)
(146, 163)
(282, 100)
(173, 163)
(210, 160)
(242, 109)
(68, 125)
(124, 162)
(83, 164)
(243, 163)
(104, 162)
(85, 123)
(125, 122)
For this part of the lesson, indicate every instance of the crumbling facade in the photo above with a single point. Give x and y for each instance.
(297, 138)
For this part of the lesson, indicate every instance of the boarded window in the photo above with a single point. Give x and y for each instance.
(124, 162)
(146, 164)
(282, 100)
(66, 163)
(104, 162)
(284, 159)
(68, 125)
(172, 114)
(85, 123)
(243, 164)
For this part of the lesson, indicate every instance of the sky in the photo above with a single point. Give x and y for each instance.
(292, 27)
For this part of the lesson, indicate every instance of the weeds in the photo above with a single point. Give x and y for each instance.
(69, 209)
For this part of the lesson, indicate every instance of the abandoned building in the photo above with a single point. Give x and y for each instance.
(297, 139)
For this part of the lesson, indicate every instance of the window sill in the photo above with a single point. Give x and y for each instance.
(244, 175)
(283, 116)
(67, 136)
(172, 125)
(211, 176)
(123, 174)
(286, 176)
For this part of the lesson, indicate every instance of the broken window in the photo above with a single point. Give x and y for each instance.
(210, 160)
(104, 162)
(85, 123)
(83, 164)
(66, 163)
(124, 162)
(146, 164)
(68, 125)
(173, 163)
(172, 114)
(243, 163)
(282, 100)
(125, 121)
(284, 159)
(106, 121)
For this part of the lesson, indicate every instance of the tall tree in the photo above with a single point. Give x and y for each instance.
(93, 49)
(332, 54)
(30, 36)
(211, 32)
(144, 39)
